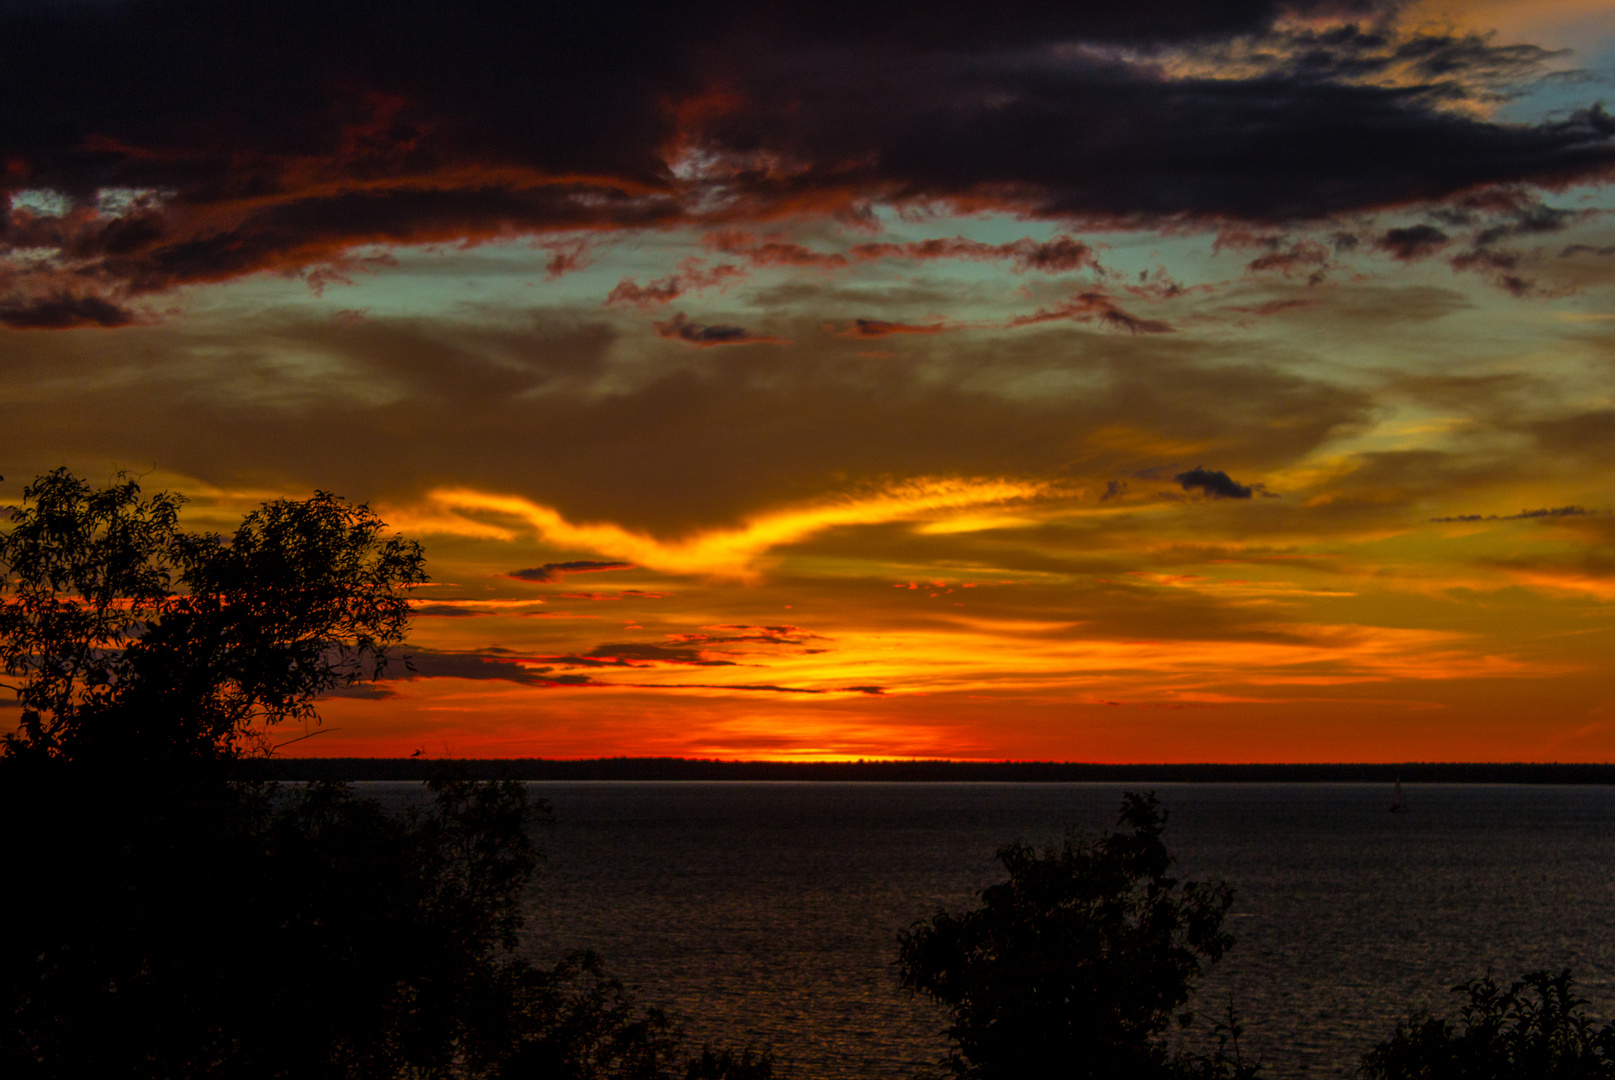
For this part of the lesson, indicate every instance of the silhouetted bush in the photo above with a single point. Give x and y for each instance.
(167, 915)
(1075, 966)
(1534, 1030)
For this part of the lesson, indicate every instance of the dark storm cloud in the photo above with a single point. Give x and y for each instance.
(1412, 242)
(556, 571)
(1215, 483)
(195, 142)
(62, 311)
(1105, 138)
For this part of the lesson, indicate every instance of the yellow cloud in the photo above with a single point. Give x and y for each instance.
(732, 552)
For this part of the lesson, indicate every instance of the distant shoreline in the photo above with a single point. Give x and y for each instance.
(689, 769)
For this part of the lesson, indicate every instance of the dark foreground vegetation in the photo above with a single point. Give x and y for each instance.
(170, 911)
(1534, 1029)
(1081, 962)
(1077, 964)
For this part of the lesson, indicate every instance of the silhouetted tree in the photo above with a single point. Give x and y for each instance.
(1533, 1030)
(168, 915)
(1075, 965)
(133, 640)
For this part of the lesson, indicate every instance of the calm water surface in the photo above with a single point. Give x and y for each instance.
(767, 912)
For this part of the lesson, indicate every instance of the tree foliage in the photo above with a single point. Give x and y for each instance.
(1535, 1029)
(1076, 964)
(170, 915)
(230, 930)
(132, 639)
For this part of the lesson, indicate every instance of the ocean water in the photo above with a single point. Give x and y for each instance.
(766, 913)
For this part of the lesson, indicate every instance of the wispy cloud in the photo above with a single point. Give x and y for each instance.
(731, 552)
(1094, 307)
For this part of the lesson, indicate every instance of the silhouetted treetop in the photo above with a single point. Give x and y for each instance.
(1074, 966)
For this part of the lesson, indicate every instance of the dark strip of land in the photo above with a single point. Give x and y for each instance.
(939, 771)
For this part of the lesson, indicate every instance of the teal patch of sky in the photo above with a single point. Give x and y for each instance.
(433, 281)
(1584, 76)
(448, 281)
(41, 201)
(441, 280)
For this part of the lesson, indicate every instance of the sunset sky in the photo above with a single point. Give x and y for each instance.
(1151, 381)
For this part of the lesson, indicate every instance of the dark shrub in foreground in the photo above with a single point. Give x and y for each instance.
(1533, 1030)
(1076, 965)
(215, 929)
